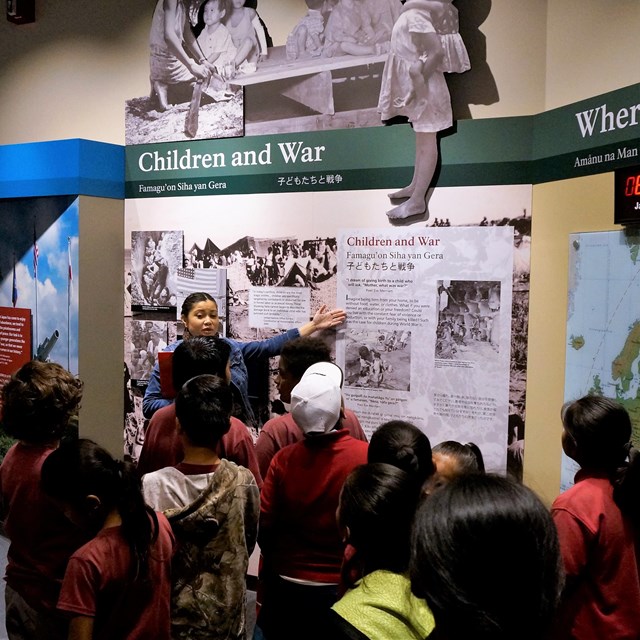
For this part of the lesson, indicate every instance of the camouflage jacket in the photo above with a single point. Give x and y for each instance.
(216, 534)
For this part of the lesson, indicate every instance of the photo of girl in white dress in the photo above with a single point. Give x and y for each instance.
(425, 44)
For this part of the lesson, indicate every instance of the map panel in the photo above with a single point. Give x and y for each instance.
(603, 324)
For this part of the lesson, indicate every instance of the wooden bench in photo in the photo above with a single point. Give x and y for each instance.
(308, 81)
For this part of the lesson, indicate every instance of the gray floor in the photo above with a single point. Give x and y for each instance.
(4, 546)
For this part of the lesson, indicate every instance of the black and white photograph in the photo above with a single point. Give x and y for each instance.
(251, 261)
(339, 61)
(468, 320)
(156, 257)
(144, 340)
(271, 262)
(195, 50)
(215, 71)
(378, 359)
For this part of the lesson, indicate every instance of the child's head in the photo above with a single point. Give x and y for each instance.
(404, 446)
(85, 477)
(596, 432)
(485, 556)
(203, 410)
(453, 459)
(39, 402)
(295, 358)
(213, 11)
(316, 401)
(91, 484)
(376, 508)
(198, 356)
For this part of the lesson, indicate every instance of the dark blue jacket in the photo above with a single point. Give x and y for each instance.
(240, 352)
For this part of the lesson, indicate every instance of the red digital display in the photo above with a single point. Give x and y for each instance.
(627, 196)
(632, 186)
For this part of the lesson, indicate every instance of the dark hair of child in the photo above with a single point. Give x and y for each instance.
(485, 556)
(301, 353)
(599, 432)
(39, 402)
(193, 299)
(404, 446)
(468, 456)
(83, 468)
(377, 505)
(203, 407)
(197, 356)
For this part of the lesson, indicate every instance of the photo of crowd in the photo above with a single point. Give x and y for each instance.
(146, 339)
(283, 262)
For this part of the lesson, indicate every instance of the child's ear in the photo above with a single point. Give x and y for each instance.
(179, 427)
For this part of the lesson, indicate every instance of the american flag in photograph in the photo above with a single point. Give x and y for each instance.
(211, 281)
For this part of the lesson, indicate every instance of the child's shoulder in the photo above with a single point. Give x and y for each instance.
(23, 457)
(589, 494)
(234, 470)
(160, 481)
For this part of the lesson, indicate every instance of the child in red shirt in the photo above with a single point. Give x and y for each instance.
(597, 521)
(38, 404)
(118, 585)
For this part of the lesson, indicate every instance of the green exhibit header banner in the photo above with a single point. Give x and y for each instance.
(593, 136)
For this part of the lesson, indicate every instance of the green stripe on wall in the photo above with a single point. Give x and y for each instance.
(519, 150)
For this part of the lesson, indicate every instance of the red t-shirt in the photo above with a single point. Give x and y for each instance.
(600, 552)
(163, 448)
(98, 584)
(42, 537)
(298, 533)
(282, 431)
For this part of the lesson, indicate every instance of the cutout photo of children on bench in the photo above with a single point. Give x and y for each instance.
(196, 48)
(215, 73)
